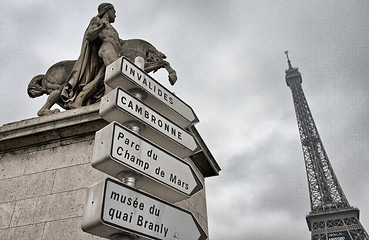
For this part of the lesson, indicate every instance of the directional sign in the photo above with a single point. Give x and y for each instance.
(120, 106)
(122, 73)
(118, 149)
(113, 207)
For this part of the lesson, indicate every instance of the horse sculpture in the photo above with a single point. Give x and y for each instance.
(56, 76)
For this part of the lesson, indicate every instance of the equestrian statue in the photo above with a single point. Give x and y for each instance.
(76, 83)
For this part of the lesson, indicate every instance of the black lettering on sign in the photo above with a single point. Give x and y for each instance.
(155, 227)
(173, 178)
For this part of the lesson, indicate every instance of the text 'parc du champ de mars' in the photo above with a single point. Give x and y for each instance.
(126, 148)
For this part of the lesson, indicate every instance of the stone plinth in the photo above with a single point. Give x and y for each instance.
(45, 170)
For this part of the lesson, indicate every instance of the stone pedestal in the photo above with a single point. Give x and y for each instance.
(45, 170)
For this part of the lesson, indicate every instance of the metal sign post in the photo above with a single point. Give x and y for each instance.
(142, 152)
(129, 177)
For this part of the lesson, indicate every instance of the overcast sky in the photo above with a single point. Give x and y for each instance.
(230, 62)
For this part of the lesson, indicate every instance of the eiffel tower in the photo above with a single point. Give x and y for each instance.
(331, 216)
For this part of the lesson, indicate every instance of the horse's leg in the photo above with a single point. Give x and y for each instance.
(153, 66)
(162, 64)
(51, 100)
(172, 74)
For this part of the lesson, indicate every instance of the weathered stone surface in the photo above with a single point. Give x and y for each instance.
(38, 131)
(49, 208)
(12, 165)
(199, 204)
(4, 234)
(76, 177)
(27, 186)
(55, 158)
(29, 232)
(67, 229)
(6, 211)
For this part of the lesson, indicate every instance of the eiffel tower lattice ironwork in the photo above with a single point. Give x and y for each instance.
(331, 216)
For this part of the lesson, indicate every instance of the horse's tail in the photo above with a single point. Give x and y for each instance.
(35, 88)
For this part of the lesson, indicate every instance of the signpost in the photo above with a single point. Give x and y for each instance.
(164, 175)
(119, 105)
(113, 207)
(150, 161)
(122, 73)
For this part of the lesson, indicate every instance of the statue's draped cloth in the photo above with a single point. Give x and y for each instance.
(85, 83)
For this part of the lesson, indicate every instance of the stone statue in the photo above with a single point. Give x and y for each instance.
(73, 84)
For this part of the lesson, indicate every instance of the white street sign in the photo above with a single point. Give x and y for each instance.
(164, 175)
(120, 106)
(122, 73)
(113, 207)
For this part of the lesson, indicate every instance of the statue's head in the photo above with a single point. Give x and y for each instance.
(104, 8)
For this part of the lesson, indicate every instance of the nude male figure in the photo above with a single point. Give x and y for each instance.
(110, 49)
(100, 47)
